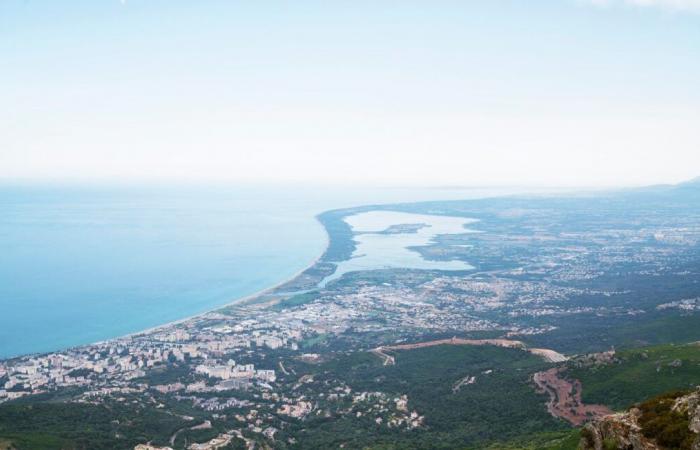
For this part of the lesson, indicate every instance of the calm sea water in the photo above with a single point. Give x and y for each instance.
(376, 250)
(79, 265)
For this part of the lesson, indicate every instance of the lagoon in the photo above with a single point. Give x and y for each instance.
(80, 264)
(384, 240)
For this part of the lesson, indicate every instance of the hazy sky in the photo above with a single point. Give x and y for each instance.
(546, 92)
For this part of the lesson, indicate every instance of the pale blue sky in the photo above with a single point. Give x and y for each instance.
(572, 92)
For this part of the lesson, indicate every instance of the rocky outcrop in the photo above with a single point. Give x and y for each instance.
(690, 405)
(616, 431)
(656, 424)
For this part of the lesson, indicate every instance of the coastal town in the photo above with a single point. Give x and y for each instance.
(257, 373)
(349, 225)
(214, 349)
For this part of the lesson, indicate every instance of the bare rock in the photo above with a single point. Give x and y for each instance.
(619, 431)
(622, 431)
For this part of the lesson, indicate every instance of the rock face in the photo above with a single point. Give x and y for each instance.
(633, 430)
(693, 402)
(620, 431)
(690, 404)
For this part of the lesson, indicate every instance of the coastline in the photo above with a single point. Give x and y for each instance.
(243, 300)
(325, 256)
(236, 301)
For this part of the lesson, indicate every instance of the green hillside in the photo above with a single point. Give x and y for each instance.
(639, 374)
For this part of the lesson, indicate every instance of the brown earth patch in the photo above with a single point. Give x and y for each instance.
(565, 398)
(546, 354)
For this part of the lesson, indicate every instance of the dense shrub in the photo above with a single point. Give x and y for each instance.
(667, 427)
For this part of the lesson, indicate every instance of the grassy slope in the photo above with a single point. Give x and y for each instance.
(561, 440)
(640, 374)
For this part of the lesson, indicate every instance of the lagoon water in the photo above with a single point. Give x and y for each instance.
(83, 264)
(377, 249)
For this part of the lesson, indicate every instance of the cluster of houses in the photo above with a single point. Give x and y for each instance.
(117, 362)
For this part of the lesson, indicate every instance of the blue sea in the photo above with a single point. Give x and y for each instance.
(84, 264)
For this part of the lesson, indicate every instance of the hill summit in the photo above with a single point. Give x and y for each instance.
(668, 421)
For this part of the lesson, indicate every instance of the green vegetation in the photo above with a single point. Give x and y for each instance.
(500, 404)
(341, 244)
(582, 289)
(36, 441)
(63, 426)
(315, 341)
(296, 300)
(667, 427)
(585, 333)
(639, 374)
(610, 444)
(666, 328)
(166, 374)
(202, 435)
(81, 373)
(558, 440)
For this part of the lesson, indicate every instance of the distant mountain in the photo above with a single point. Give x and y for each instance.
(685, 194)
(694, 183)
(689, 191)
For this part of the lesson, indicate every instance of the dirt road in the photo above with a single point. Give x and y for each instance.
(548, 355)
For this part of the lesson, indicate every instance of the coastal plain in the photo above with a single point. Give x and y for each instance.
(509, 328)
